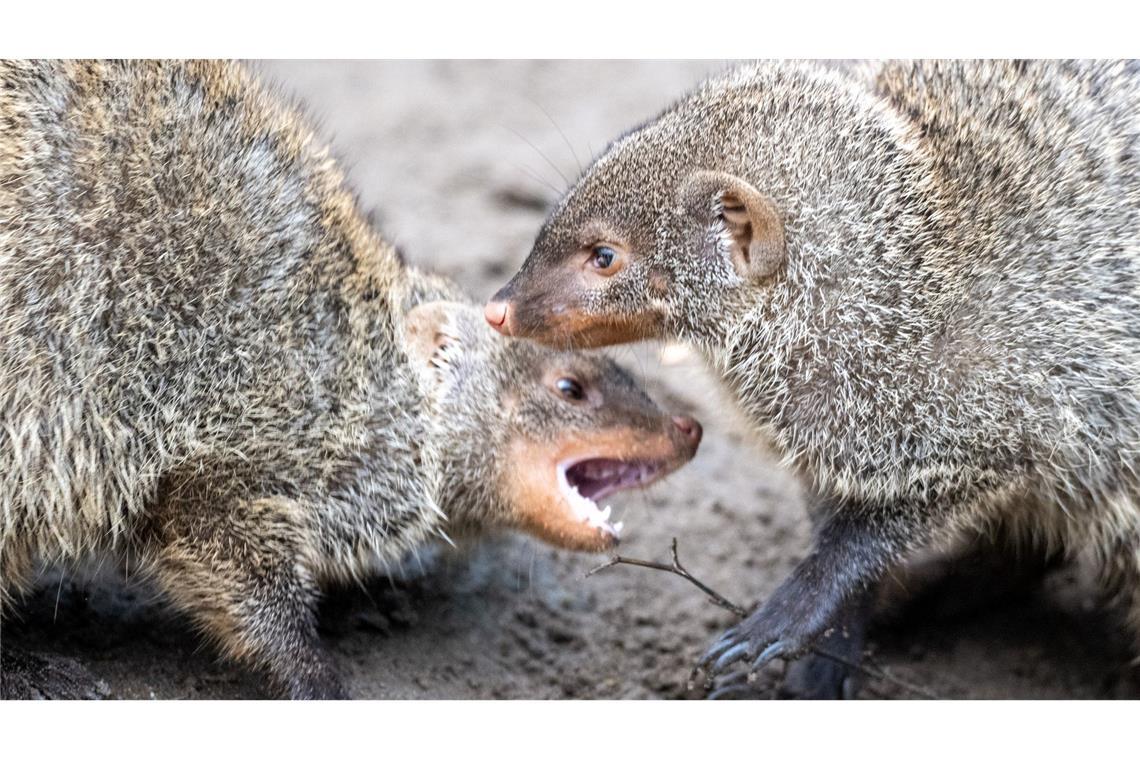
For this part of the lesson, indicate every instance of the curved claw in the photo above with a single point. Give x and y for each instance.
(735, 691)
(734, 686)
(770, 653)
(725, 642)
(737, 652)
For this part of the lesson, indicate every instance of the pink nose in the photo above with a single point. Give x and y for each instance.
(496, 314)
(690, 427)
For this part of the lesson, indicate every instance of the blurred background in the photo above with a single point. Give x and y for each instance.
(458, 161)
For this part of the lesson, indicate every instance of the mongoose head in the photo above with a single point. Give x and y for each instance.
(694, 220)
(631, 247)
(533, 438)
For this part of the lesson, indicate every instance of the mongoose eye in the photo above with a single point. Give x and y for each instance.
(602, 257)
(570, 389)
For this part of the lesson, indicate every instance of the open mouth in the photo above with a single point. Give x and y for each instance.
(584, 482)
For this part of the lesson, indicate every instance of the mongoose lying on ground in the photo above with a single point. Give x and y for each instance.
(213, 366)
(922, 289)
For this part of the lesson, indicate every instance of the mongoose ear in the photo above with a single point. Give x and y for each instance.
(745, 221)
(431, 333)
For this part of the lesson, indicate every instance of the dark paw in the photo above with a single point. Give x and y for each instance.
(832, 669)
(24, 675)
(738, 686)
(814, 676)
(758, 640)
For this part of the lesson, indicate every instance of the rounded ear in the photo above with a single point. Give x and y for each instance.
(745, 221)
(432, 333)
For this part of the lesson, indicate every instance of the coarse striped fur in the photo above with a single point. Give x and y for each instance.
(952, 339)
(210, 362)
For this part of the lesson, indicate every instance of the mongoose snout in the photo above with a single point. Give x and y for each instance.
(570, 296)
(495, 312)
(583, 431)
(560, 487)
(566, 429)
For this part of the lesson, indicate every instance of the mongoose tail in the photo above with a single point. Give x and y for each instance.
(921, 287)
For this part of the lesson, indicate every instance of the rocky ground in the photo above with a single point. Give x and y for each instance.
(460, 161)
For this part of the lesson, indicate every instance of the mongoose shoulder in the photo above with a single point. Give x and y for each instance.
(922, 287)
(212, 364)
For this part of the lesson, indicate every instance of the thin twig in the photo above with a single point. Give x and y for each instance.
(676, 568)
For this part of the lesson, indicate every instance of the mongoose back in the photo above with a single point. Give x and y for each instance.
(920, 286)
(211, 365)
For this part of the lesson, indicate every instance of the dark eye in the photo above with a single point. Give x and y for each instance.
(603, 257)
(570, 388)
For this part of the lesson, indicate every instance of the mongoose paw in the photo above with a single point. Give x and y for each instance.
(810, 611)
(810, 677)
(775, 630)
(815, 676)
(755, 641)
(832, 669)
(827, 671)
(736, 686)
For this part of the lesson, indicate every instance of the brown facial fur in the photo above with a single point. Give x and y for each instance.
(578, 328)
(558, 313)
(536, 501)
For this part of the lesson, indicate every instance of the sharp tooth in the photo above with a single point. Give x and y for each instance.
(606, 513)
(618, 526)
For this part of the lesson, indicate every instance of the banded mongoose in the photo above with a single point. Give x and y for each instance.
(919, 282)
(212, 366)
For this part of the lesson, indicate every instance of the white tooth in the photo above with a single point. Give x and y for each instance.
(606, 513)
(618, 527)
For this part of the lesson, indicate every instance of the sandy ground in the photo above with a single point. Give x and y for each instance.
(460, 161)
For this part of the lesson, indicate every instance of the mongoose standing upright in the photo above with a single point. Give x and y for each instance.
(922, 288)
(213, 366)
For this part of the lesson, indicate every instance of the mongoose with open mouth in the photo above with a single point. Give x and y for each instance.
(213, 367)
(919, 285)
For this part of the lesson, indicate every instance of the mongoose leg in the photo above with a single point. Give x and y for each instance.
(850, 552)
(817, 676)
(978, 572)
(238, 572)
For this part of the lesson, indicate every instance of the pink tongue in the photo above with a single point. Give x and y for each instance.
(596, 477)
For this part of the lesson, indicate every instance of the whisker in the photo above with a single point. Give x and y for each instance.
(565, 139)
(540, 153)
(536, 178)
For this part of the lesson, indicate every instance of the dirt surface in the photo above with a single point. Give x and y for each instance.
(460, 161)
